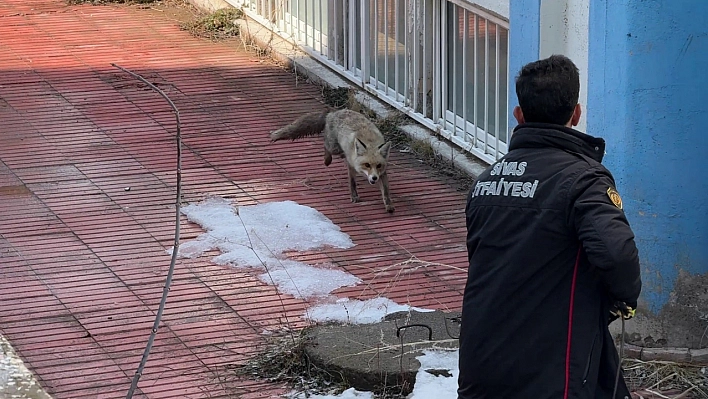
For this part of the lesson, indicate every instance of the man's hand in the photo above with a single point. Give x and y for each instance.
(621, 309)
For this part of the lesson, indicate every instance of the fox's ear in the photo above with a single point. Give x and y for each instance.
(360, 148)
(385, 148)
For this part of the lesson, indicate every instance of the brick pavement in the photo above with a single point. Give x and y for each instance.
(83, 261)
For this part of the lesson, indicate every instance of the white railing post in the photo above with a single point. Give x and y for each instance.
(437, 60)
(351, 28)
(396, 62)
(445, 77)
(464, 75)
(365, 41)
(496, 94)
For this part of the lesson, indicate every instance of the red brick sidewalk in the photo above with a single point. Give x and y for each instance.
(83, 260)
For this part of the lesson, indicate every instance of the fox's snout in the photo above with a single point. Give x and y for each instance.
(372, 170)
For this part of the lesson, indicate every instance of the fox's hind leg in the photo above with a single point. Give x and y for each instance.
(331, 148)
(352, 185)
(385, 194)
(327, 157)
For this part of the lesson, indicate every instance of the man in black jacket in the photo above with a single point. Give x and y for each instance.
(550, 255)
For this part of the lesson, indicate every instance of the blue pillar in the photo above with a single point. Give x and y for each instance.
(648, 97)
(524, 42)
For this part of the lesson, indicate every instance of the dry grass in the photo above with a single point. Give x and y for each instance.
(666, 379)
(283, 359)
(104, 2)
(218, 25)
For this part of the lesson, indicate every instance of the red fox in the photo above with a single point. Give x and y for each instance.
(350, 135)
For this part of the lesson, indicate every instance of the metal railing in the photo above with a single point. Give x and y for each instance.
(442, 62)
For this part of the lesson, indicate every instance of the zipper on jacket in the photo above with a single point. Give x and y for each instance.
(587, 365)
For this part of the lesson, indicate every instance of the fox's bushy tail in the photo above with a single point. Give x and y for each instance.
(310, 124)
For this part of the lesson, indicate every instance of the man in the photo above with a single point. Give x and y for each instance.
(550, 255)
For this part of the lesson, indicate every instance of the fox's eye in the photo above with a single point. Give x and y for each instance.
(366, 165)
(378, 166)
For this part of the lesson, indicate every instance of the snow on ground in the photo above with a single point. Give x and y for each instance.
(430, 386)
(258, 236)
(303, 281)
(346, 310)
(350, 393)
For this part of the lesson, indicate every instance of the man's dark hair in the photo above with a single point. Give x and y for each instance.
(548, 90)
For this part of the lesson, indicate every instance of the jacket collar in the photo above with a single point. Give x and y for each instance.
(541, 135)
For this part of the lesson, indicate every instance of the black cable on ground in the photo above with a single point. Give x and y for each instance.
(175, 248)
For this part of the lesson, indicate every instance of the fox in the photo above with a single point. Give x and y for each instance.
(353, 137)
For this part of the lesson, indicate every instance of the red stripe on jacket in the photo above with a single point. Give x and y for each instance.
(570, 325)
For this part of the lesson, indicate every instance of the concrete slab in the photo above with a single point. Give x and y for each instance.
(370, 357)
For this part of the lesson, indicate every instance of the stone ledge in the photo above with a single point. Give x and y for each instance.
(675, 355)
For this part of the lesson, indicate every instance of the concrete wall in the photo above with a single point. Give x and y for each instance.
(541, 28)
(564, 30)
(647, 97)
(524, 43)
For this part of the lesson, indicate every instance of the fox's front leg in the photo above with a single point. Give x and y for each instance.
(385, 194)
(352, 185)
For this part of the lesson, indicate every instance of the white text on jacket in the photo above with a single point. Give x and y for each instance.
(503, 187)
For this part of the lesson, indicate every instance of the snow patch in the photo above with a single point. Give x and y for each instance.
(257, 236)
(248, 235)
(356, 311)
(304, 281)
(428, 385)
(350, 393)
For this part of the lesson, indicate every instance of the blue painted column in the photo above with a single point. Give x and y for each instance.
(648, 97)
(524, 43)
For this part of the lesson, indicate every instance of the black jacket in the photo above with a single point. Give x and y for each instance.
(546, 245)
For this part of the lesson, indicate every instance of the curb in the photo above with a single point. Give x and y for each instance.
(697, 357)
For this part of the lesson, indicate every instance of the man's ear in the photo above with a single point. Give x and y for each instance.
(575, 119)
(519, 115)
